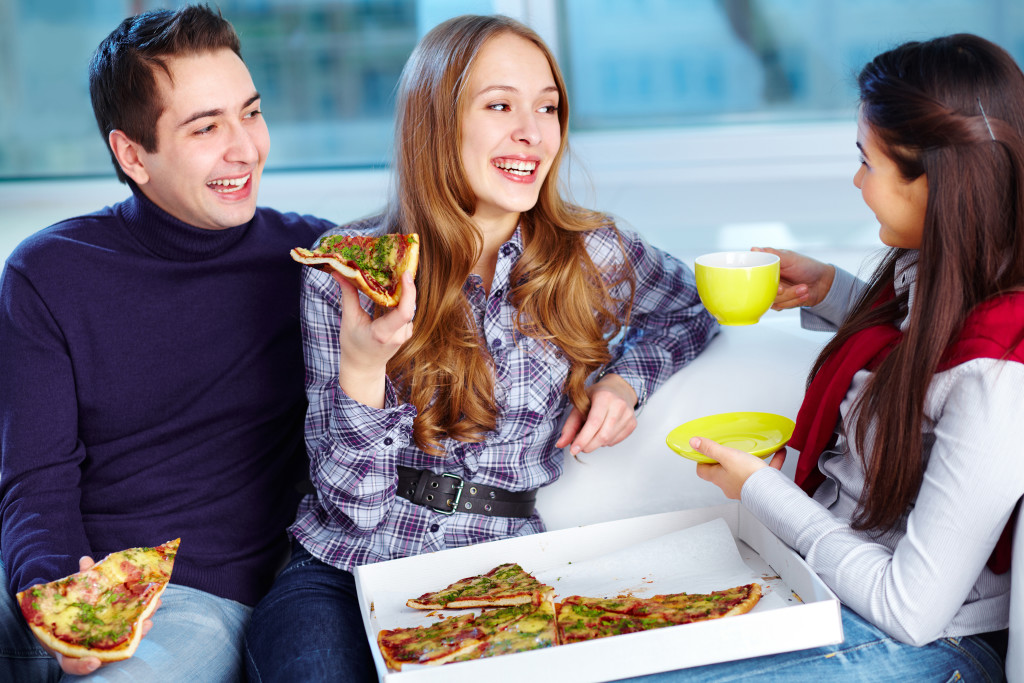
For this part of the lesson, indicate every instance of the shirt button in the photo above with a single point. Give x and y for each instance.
(496, 343)
(388, 441)
(498, 292)
(434, 527)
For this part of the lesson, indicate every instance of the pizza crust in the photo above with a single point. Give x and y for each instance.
(410, 262)
(483, 601)
(749, 603)
(396, 665)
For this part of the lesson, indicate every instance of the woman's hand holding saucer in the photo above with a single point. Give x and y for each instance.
(733, 468)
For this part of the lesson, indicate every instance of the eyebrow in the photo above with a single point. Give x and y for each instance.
(862, 150)
(513, 89)
(215, 112)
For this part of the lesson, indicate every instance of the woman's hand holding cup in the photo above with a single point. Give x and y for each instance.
(803, 281)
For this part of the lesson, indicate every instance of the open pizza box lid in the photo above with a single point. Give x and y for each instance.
(695, 551)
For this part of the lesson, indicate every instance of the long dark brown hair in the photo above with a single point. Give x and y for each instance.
(951, 109)
(444, 369)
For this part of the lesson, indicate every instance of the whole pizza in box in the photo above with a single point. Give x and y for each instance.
(519, 613)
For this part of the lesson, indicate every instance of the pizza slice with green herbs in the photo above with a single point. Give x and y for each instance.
(373, 264)
(581, 618)
(99, 612)
(505, 585)
(498, 631)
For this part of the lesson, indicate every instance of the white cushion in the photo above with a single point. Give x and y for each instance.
(1015, 654)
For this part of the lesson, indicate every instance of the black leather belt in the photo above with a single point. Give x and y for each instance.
(449, 494)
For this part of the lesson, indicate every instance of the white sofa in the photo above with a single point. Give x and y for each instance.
(759, 368)
(1015, 655)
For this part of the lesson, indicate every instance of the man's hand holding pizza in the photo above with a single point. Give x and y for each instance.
(81, 666)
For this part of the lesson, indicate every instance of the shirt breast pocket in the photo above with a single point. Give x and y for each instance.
(530, 380)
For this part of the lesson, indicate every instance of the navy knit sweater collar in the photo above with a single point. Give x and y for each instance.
(173, 239)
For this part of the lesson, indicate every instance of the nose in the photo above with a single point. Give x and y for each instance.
(526, 129)
(242, 147)
(858, 177)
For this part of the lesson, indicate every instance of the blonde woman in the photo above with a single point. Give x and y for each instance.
(533, 325)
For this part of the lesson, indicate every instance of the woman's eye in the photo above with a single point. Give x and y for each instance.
(498, 107)
(549, 109)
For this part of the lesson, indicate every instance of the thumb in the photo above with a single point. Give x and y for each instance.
(570, 428)
(712, 449)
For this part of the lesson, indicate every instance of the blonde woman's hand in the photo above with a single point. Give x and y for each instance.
(803, 281)
(611, 417)
(368, 344)
(733, 468)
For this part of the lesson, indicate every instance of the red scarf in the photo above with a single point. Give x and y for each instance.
(993, 330)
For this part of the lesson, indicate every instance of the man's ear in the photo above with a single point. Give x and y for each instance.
(128, 155)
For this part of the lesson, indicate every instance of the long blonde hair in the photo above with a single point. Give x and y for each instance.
(560, 295)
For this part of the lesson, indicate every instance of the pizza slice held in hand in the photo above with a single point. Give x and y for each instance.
(373, 264)
(99, 612)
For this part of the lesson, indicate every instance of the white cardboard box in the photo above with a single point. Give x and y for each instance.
(808, 615)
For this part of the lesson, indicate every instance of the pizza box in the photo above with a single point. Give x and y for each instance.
(643, 556)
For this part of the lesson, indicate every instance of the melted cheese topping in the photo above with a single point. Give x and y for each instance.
(99, 607)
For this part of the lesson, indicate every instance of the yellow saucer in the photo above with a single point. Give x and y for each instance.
(759, 434)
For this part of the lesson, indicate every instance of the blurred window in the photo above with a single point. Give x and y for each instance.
(328, 69)
(664, 62)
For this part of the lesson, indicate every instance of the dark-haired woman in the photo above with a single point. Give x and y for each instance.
(910, 432)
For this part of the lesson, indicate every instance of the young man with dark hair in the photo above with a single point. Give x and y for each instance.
(152, 371)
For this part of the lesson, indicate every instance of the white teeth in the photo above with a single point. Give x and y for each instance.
(229, 185)
(522, 168)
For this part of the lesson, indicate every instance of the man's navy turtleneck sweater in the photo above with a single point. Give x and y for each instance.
(151, 387)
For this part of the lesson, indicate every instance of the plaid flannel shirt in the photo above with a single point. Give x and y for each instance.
(355, 516)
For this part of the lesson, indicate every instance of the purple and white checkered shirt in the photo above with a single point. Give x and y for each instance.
(355, 516)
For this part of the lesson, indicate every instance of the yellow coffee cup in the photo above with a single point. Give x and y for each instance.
(737, 287)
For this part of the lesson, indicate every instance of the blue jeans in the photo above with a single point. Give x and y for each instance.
(196, 636)
(308, 627)
(866, 654)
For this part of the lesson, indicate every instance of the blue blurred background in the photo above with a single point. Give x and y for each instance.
(704, 124)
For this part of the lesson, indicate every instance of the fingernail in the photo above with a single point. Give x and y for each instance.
(695, 442)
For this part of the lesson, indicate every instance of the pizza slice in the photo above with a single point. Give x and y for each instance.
(373, 264)
(506, 584)
(99, 612)
(498, 631)
(533, 631)
(438, 643)
(580, 618)
(683, 608)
